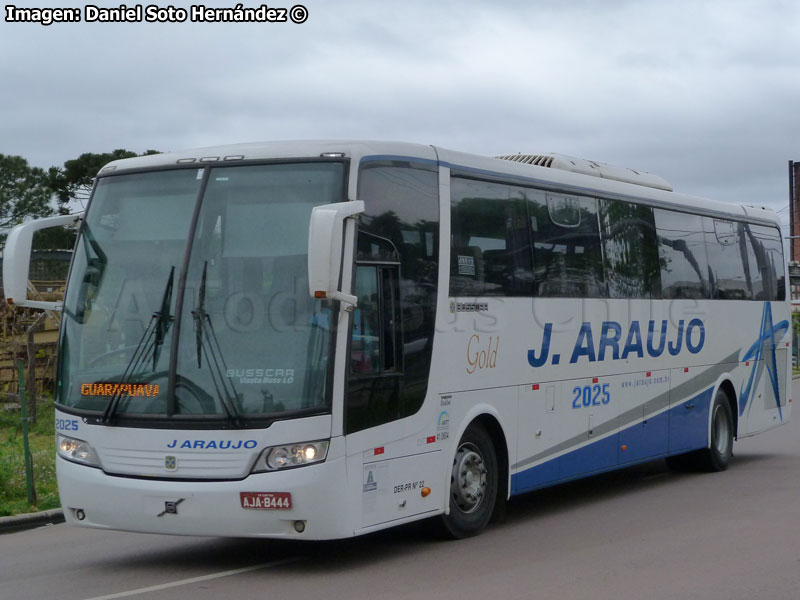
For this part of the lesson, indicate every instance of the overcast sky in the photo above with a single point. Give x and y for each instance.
(704, 94)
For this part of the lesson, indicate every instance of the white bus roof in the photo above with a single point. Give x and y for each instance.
(653, 189)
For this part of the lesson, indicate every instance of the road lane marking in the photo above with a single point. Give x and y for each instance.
(163, 586)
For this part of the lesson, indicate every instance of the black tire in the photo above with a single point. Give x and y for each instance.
(718, 454)
(715, 458)
(473, 485)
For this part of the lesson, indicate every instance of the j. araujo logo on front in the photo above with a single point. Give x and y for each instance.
(615, 343)
(213, 444)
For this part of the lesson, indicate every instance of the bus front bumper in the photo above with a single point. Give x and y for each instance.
(318, 503)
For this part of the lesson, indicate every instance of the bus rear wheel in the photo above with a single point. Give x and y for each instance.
(473, 484)
(719, 452)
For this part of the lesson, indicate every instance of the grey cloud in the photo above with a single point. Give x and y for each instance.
(702, 96)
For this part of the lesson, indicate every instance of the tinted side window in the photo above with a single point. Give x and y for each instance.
(567, 256)
(397, 254)
(730, 271)
(768, 252)
(365, 351)
(630, 249)
(490, 240)
(682, 253)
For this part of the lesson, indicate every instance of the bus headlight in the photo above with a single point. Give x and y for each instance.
(76, 451)
(291, 455)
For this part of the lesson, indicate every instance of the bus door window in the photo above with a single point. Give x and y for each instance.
(390, 319)
(376, 335)
(397, 249)
(364, 352)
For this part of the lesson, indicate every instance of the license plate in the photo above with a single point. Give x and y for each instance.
(266, 500)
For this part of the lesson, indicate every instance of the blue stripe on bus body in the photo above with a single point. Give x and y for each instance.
(680, 429)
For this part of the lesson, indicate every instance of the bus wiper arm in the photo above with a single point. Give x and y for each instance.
(154, 335)
(162, 318)
(200, 315)
(208, 345)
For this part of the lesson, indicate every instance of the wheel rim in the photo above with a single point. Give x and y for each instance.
(721, 430)
(468, 482)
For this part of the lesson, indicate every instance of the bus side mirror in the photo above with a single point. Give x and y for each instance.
(325, 243)
(17, 259)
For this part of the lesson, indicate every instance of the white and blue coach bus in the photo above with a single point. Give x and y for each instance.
(322, 339)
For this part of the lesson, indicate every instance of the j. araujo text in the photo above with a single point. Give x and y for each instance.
(614, 343)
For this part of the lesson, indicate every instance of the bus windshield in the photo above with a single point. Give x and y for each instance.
(230, 245)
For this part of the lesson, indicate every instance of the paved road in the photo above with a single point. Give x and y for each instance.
(641, 533)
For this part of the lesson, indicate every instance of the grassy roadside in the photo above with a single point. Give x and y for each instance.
(13, 495)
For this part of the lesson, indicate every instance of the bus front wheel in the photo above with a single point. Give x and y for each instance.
(473, 484)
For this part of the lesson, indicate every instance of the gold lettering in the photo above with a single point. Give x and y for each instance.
(472, 361)
(482, 358)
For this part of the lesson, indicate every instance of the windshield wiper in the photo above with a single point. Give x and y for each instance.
(162, 318)
(208, 345)
(152, 339)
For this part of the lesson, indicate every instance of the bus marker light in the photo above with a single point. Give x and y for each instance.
(648, 374)
(594, 379)
(535, 387)
(425, 492)
(379, 451)
(320, 294)
(685, 369)
(623, 447)
(431, 439)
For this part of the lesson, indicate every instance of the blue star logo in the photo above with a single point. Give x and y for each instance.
(763, 353)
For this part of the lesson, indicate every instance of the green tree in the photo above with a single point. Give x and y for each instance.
(74, 180)
(24, 191)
